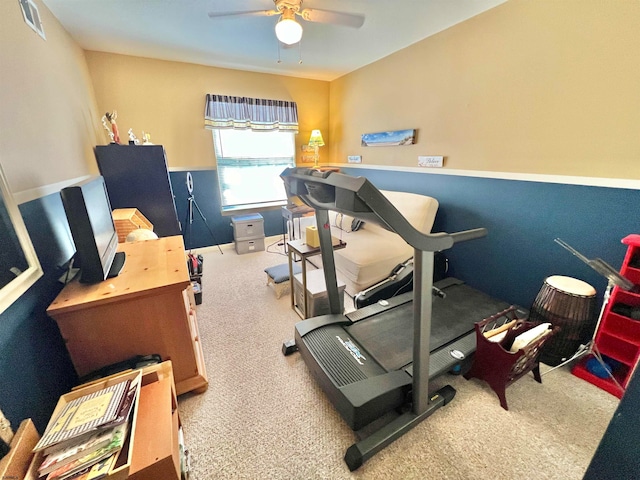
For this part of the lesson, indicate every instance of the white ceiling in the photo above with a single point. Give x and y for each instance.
(181, 30)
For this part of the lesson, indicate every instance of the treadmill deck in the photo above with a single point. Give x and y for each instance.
(387, 336)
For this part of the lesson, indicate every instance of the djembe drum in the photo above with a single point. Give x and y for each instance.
(570, 304)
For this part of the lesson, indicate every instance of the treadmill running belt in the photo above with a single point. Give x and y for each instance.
(388, 336)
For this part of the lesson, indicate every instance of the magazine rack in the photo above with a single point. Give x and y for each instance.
(154, 449)
(493, 361)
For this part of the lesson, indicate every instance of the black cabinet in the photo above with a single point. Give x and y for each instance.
(137, 176)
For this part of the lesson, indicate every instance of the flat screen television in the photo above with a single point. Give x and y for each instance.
(88, 211)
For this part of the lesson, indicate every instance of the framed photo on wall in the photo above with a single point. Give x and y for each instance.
(388, 139)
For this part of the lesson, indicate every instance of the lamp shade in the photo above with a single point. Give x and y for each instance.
(316, 139)
(288, 31)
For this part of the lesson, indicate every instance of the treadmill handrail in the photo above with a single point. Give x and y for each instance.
(465, 235)
(358, 197)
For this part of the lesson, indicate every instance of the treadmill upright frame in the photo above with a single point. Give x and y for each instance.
(423, 268)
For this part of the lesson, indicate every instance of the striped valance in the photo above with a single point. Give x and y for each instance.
(224, 111)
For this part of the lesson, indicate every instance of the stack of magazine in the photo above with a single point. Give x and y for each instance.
(84, 440)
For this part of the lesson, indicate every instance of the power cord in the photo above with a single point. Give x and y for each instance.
(277, 243)
(70, 272)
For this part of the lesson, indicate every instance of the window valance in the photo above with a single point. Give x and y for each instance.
(224, 111)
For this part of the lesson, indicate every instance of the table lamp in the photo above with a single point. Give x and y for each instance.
(316, 141)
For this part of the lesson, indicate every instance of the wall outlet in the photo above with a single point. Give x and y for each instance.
(354, 159)
(430, 161)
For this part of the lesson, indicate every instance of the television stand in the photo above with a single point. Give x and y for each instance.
(146, 309)
(117, 264)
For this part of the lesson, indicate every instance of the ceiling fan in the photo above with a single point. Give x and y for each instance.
(288, 31)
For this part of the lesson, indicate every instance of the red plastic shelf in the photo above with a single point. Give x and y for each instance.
(618, 337)
(606, 384)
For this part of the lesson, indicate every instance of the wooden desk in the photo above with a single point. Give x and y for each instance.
(144, 310)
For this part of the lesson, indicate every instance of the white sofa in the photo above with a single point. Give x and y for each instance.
(372, 251)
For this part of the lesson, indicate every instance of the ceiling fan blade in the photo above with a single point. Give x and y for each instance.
(354, 20)
(250, 13)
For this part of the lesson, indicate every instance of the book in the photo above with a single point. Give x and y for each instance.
(97, 471)
(85, 414)
(127, 404)
(102, 468)
(94, 442)
(123, 414)
(93, 458)
(80, 475)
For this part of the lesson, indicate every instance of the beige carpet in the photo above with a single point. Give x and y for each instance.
(263, 416)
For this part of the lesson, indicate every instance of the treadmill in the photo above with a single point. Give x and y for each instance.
(379, 359)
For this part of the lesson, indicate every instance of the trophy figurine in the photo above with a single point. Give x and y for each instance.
(108, 129)
(133, 140)
(114, 127)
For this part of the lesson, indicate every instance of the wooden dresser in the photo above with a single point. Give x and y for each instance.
(146, 309)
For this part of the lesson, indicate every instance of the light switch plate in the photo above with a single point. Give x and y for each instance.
(430, 161)
(354, 159)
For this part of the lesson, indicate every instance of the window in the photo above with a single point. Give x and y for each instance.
(249, 166)
(254, 142)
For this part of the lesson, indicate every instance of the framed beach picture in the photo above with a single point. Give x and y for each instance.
(386, 139)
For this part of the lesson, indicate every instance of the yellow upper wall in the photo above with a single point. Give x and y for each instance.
(166, 99)
(531, 86)
(49, 123)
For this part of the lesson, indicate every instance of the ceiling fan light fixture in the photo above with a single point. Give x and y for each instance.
(288, 31)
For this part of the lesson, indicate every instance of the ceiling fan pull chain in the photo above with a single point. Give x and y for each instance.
(279, 61)
(300, 52)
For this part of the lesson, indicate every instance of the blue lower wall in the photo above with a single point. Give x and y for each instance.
(35, 368)
(217, 228)
(522, 219)
(511, 263)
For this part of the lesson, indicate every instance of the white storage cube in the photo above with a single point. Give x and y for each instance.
(247, 226)
(249, 246)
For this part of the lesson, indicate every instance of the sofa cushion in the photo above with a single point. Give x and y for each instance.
(419, 210)
(373, 251)
(370, 255)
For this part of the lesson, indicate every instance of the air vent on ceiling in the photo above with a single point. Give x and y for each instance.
(32, 16)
